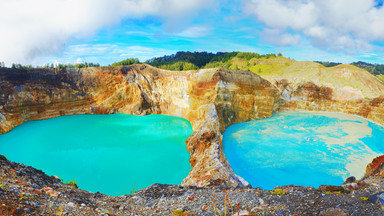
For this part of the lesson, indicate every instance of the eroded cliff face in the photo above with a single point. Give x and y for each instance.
(39, 94)
(218, 99)
(309, 96)
(211, 99)
(309, 86)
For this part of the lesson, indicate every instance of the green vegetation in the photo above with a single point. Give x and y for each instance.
(128, 61)
(197, 60)
(278, 191)
(380, 77)
(133, 190)
(180, 212)
(328, 64)
(375, 69)
(61, 66)
(180, 66)
(81, 65)
(22, 197)
(72, 183)
(268, 65)
(2, 184)
(19, 66)
(333, 192)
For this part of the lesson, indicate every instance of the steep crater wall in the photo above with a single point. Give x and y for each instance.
(307, 96)
(211, 99)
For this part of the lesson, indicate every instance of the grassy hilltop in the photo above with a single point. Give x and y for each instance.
(348, 77)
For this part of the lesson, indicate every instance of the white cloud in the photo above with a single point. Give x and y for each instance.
(141, 33)
(138, 51)
(341, 25)
(277, 37)
(79, 61)
(31, 29)
(56, 63)
(195, 32)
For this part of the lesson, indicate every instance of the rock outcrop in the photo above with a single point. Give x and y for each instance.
(375, 168)
(310, 97)
(211, 99)
(309, 86)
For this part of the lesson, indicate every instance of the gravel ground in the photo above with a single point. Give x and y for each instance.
(27, 191)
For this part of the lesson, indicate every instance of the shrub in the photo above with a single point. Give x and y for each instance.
(278, 191)
(71, 183)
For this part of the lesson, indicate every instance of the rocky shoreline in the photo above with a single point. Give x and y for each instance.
(27, 191)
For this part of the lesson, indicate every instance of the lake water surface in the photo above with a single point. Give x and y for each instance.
(302, 148)
(110, 154)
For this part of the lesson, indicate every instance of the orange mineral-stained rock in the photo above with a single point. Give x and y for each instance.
(37, 191)
(376, 167)
(50, 192)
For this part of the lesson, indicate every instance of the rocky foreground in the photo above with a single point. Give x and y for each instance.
(27, 191)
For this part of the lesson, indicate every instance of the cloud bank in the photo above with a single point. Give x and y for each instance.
(31, 29)
(337, 25)
(195, 32)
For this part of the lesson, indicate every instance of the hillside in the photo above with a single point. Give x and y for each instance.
(375, 69)
(183, 61)
(346, 81)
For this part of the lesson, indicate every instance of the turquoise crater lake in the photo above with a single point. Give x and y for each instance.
(302, 148)
(110, 154)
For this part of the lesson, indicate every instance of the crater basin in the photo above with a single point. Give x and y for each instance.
(111, 154)
(302, 148)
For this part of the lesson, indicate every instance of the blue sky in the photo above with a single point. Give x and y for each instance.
(106, 31)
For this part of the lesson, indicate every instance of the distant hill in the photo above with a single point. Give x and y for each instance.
(328, 64)
(197, 60)
(342, 78)
(375, 69)
(182, 61)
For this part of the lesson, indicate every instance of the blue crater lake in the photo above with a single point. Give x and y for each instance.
(302, 148)
(110, 154)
